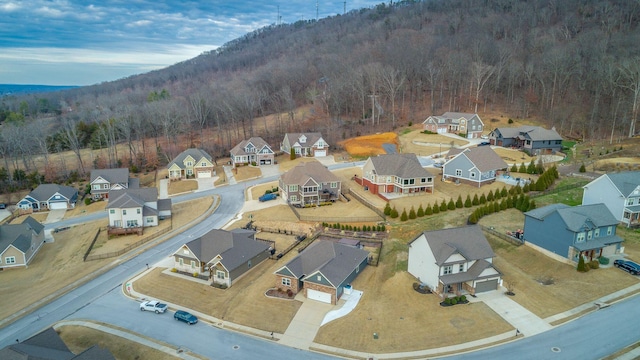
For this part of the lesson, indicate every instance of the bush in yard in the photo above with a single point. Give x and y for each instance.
(525, 188)
(412, 213)
(443, 206)
(387, 209)
(581, 265)
(510, 121)
(490, 196)
(531, 169)
(195, 274)
(173, 270)
(483, 199)
(292, 155)
(87, 201)
(404, 216)
(475, 200)
(394, 213)
(463, 298)
(420, 212)
(447, 301)
(459, 203)
(473, 218)
(582, 168)
(504, 192)
(604, 260)
(594, 264)
(514, 168)
(451, 205)
(454, 301)
(496, 195)
(289, 293)
(522, 168)
(467, 202)
(436, 208)
(428, 210)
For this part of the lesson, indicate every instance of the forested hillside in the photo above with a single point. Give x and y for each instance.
(572, 64)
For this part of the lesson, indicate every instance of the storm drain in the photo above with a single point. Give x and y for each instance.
(555, 349)
(236, 347)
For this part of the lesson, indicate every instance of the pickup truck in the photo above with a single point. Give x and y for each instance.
(267, 197)
(153, 305)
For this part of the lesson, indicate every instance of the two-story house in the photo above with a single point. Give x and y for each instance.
(191, 163)
(253, 151)
(454, 261)
(475, 166)
(131, 210)
(395, 174)
(309, 183)
(566, 232)
(19, 243)
(534, 140)
(620, 192)
(455, 123)
(305, 144)
(104, 180)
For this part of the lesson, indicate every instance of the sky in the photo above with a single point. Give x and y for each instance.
(77, 42)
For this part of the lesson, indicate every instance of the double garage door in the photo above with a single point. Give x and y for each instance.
(204, 174)
(488, 285)
(57, 206)
(319, 296)
(321, 153)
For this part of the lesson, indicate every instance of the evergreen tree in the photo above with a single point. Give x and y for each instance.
(540, 167)
(420, 212)
(503, 204)
(514, 168)
(532, 205)
(490, 196)
(428, 210)
(581, 266)
(475, 200)
(497, 195)
(467, 202)
(451, 205)
(443, 206)
(531, 169)
(473, 219)
(483, 199)
(583, 168)
(394, 213)
(436, 208)
(403, 217)
(459, 203)
(292, 155)
(522, 169)
(412, 213)
(526, 188)
(504, 192)
(496, 206)
(387, 209)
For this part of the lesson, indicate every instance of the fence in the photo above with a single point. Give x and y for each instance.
(125, 249)
(86, 254)
(367, 204)
(312, 218)
(502, 236)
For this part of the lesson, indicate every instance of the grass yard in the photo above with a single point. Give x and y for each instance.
(571, 197)
(631, 241)
(422, 144)
(80, 338)
(38, 216)
(182, 186)
(241, 173)
(256, 191)
(82, 209)
(369, 145)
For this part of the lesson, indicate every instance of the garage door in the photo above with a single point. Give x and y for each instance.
(58, 206)
(204, 174)
(442, 130)
(319, 296)
(265, 162)
(486, 285)
(321, 152)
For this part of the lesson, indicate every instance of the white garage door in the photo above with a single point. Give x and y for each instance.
(319, 296)
(58, 206)
(442, 130)
(321, 152)
(204, 174)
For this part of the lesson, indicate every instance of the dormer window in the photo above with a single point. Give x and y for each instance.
(302, 139)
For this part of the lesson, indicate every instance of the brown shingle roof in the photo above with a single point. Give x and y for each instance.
(402, 165)
(303, 172)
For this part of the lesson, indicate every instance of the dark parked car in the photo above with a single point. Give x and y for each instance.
(3, 206)
(628, 266)
(185, 316)
(484, 143)
(267, 197)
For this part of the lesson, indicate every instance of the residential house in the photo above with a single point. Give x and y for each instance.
(49, 197)
(191, 163)
(322, 271)
(309, 183)
(104, 180)
(47, 345)
(475, 165)
(566, 232)
(131, 210)
(534, 140)
(620, 192)
(253, 151)
(19, 243)
(455, 261)
(466, 124)
(305, 144)
(395, 174)
(222, 256)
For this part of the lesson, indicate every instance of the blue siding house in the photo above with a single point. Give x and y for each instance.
(563, 231)
(475, 166)
(533, 140)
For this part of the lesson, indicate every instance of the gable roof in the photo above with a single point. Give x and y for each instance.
(45, 191)
(401, 165)
(468, 241)
(309, 170)
(128, 198)
(535, 133)
(19, 235)
(235, 247)
(577, 217)
(113, 176)
(256, 141)
(196, 154)
(483, 157)
(312, 138)
(626, 182)
(334, 260)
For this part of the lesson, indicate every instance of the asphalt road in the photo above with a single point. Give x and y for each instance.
(589, 337)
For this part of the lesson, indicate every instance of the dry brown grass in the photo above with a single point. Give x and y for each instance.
(243, 303)
(404, 319)
(182, 186)
(511, 156)
(80, 338)
(246, 172)
(82, 209)
(416, 142)
(369, 145)
(289, 164)
(39, 217)
(529, 269)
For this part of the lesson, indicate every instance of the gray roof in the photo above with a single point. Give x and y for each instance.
(535, 133)
(196, 154)
(541, 213)
(598, 243)
(312, 138)
(129, 198)
(45, 191)
(19, 235)
(236, 247)
(303, 172)
(484, 158)
(626, 181)
(164, 204)
(402, 165)
(472, 273)
(113, 176)
(453, 117)
(256, 141)
(468, 241)
(576, 218)
(334, 260)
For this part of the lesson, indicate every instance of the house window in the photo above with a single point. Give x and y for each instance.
(589, 235)
(596, 233)
(334, 185)
(609, 230)
(528, 142)
(138, 211)
(249, 263)
(220, 274)
(132, 223)
(105, 186)
(319, 278)
(181, 261)
(447, 270)
(357, 269)
(203, 164)
(461, 268)
(580, 237)
(124, 212)
(293, 187)
(389, 179)
(193, 264)
(423, 180)
(112, 211)
(10, 260)
(286, 282)
(430, 180)
(473, 174)
(458, 172)
(149, 220)
(630, 201)
(96, 187)
(293, 198)
(189, 163)
(627, 215)
(189, 172)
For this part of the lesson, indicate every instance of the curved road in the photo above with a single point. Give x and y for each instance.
(589, 337)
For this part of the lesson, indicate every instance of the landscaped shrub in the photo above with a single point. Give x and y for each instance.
(483, 200)
(412, 213)
(436, 208)
(394, 213)
(87, 201)
(404, 216)
(253, 163)
(451, 205)
(463, 298)
(582, 168)
(173, 270)
(581, 265)
(453, 301)
(594, 264)
(387, 209)
(514, 168)
(428, 210)
(475, 200)
(522, 168)
(195, 274)
(603, 260)
(504, 192)
(459, 203)
(510, 121)
(289, 293)
(447, 301)
(490, 196)
(420, 212)
(292, 155)
(467, 202)
(443, 206)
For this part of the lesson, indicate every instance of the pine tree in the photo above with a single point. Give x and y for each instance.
(443, 206)
(504, 192)
(467, 202)
(403, 217)
(451, 205)
(459, 203)
(292, 155)
(473, 219)
(420, 212)
(475, 200)
(412, 213)
(526, 188)
(429, 210)
(581, 266)
(531, 169)
(490, 196)
(394, 213)
(483, 199)
(514, 168)
(387, 209)
(583, 168)
(436, 208)
(522, 169)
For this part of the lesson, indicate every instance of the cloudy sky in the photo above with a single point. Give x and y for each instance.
(75, 42)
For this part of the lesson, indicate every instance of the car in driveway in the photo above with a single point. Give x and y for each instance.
(628, 266)
(484, 143)
(153, 305)
(185, 316)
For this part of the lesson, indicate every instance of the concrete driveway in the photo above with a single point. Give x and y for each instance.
(163, 191)
(305, 325)
(55, 216)
(270, 170)
(206, 183)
